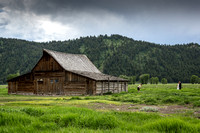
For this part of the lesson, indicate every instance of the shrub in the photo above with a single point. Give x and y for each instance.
(124, 76)
(154, 80)
(132, 79)
(164, 81)
(11, 76)
(144, 78)
(194, 79)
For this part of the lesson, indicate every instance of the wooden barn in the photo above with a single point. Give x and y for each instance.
(58, 73)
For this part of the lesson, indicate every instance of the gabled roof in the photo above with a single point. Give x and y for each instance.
(81, 65)
(73, 62)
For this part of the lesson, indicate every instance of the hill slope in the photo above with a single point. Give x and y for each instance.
(115, 55)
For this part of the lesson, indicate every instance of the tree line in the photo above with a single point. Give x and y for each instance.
(115, 55)
(145, 79)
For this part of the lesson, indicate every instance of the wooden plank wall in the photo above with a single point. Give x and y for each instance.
(75, 84)
(49, 83)
(12, 87)
(114, 87)
(25, 87)
(67, 84)
(47, 63)
(49, 78)
(21, 85)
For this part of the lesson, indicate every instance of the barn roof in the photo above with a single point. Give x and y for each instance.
(99, 76)
(78, 64)
(73, 62)
(81, 65)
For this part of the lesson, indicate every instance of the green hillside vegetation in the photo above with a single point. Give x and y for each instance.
(125, 112)
(115, 55)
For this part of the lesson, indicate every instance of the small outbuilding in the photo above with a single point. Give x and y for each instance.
(58, 73)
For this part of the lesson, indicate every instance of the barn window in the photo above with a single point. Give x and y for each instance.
(40, 81)
(52, 81)
(56, 80)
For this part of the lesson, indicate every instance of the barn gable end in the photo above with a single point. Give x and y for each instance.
(47, 63)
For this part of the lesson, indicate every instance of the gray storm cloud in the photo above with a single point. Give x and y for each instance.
(159, 21)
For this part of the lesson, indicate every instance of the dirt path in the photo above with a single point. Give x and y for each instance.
(169, 109)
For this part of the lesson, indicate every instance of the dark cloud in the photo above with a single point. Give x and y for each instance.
(162, 21)
(126, 8)
(118, 6)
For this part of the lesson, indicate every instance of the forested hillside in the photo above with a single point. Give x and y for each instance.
(115, 55)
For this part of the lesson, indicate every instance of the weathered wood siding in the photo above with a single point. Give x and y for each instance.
(12, 87)
(78, 85)
(21, 85)
(49, 83)
(47, 63)
(114, 87)
(49, 78)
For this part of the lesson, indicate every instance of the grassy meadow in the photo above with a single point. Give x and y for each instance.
(156, 108)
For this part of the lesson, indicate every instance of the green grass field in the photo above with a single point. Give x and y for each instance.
(156, 108)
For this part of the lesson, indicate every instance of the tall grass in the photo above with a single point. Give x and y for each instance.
(22, 114)
(161, 94)
(56, 119)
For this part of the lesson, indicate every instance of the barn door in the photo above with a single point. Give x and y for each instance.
(89, 87)
(55, 86)
(40, 86)
(49, 86)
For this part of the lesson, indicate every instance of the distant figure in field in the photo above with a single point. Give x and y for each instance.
(138, 88)
(179, 85)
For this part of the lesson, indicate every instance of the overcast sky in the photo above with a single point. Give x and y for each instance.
(158, 21)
